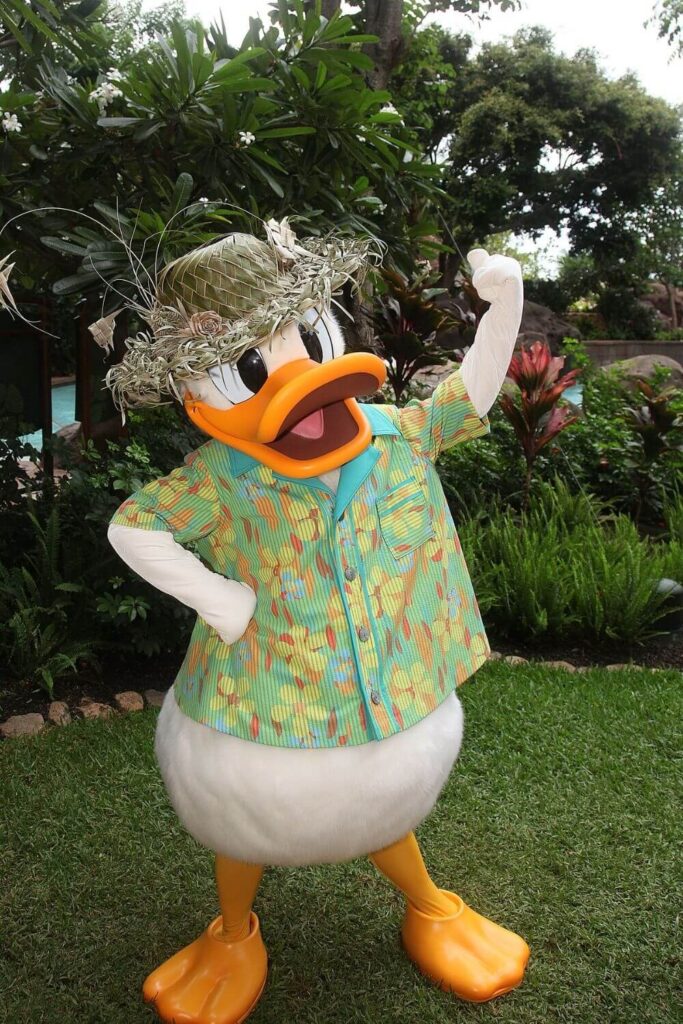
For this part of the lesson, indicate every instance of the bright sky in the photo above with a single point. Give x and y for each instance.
(612, 27)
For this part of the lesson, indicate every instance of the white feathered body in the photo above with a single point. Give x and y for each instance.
(273, 805)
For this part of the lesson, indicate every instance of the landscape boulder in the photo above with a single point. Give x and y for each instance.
(644, 366)
(22, 725)
(129, 700)
(58, 713)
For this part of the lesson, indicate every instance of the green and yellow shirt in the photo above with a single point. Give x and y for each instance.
(365, 617)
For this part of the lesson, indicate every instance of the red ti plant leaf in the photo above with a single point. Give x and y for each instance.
(536, 417)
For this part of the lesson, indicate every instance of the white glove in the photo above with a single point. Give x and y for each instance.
(498, 280)
(226, 605)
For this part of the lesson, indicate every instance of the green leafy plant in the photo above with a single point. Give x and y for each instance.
(656, 441)
(565, 569)
(41, 634)
(406, 319)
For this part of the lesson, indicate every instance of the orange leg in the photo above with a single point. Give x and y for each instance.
(219, 977)
(460, 950)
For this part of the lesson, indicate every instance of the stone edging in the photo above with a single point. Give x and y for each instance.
(59, 712)
(130, 700)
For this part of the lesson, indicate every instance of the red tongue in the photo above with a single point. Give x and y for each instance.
(311, 426)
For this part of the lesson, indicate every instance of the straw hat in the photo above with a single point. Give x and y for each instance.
(216, 302)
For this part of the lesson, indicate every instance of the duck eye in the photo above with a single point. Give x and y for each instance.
(315, 334)
(252, 370)
(311, 343)
(240, 381)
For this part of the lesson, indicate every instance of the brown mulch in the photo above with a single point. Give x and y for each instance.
(662, 652)
(135, 673)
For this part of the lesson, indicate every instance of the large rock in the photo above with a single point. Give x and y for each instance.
(540, 324)
(644, 366)
(94, 709)
(155, 698)
(658, 298)
(58, 713)
(22, 725)
(129, 700)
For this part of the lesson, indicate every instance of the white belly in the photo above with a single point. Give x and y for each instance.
(269, 805)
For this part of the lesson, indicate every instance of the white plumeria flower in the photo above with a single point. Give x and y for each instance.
(246, 138)
(10, 122)
(104, 94)
(388, 108)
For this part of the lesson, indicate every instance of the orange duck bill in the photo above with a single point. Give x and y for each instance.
(305, 420)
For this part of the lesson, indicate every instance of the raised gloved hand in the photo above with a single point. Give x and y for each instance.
(498, 280)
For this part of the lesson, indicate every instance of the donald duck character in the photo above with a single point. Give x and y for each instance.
(335, 613)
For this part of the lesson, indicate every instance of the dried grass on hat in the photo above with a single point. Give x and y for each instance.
(218, 301)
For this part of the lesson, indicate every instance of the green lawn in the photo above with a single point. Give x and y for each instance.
(560, 821)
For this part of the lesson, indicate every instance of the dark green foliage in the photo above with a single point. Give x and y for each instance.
(625, 316)
(406, 319)
(285, 125)
(64, 594)
(563, 570)
(43, 598)
(601, 453)
(536, 138)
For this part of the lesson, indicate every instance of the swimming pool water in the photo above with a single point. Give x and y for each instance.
(63, 413)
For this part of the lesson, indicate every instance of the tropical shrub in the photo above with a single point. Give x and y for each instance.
(284, 124)
(537, 417)
(43, 631)
(406, 319)
(565, 570)
(656, 443)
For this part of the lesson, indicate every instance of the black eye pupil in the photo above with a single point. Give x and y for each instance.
(312, 344)
(252, 370)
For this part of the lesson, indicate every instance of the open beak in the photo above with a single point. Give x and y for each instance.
(305, 419)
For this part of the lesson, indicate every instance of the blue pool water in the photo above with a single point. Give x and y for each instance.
(574, 394)
(63, 413)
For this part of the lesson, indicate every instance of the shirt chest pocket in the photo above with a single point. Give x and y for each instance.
(404, 517)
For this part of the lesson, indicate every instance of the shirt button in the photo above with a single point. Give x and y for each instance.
(350, 573)
(363, 633)
(374, 697)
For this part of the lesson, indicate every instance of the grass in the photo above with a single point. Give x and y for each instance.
(560, 821)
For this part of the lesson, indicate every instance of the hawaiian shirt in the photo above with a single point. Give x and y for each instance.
(365, 617)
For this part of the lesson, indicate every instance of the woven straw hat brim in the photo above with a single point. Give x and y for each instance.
(246, 281)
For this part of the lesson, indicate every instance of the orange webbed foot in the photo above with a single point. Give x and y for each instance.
(211, 981)
(465, 953)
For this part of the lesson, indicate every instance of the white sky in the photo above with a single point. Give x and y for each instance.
(612, 27)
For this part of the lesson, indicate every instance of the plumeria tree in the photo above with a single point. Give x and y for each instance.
(285, 122)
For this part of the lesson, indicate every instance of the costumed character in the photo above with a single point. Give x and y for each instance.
(314, 718)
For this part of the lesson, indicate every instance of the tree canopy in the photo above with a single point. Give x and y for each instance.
(532, 138)
(286, 123)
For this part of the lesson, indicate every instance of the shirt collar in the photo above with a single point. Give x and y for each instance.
(380, 423)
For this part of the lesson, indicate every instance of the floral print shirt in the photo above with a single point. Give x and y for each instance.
(365, 617)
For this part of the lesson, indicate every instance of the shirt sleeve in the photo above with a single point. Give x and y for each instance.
(446, 418)
(183, 503)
